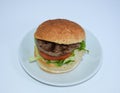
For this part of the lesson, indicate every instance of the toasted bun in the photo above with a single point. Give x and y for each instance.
(60, 31)
(52, 68)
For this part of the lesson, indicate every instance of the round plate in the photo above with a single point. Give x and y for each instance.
(87, 68)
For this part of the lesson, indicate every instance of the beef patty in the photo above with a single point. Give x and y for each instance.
(54, 49)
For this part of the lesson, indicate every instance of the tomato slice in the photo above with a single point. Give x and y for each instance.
(48, 57)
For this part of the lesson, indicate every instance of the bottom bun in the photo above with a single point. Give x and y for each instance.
(53, 68)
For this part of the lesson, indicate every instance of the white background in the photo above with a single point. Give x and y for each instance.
(101, 17)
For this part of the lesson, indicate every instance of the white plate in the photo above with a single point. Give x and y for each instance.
(87, 68)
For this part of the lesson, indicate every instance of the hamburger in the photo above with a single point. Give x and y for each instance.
(59, 45)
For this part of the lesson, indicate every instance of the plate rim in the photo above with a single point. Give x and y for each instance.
(61, 85)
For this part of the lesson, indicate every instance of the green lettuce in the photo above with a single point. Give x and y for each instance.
(33, 59)
(83, 46)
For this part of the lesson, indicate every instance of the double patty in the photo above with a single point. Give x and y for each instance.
(54, 49)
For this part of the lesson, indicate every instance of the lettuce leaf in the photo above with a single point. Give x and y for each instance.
(83, 46)
(32, 59)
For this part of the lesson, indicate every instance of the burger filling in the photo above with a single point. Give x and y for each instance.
(59, 54)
